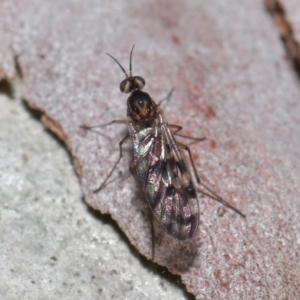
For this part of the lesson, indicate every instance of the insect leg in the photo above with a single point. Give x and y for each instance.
(178, 128)
(132, 167)
(133, 171)
(103, 125)
(187, 148)
(167, 98)
(153, 238)
(210, 193)
(120, 145)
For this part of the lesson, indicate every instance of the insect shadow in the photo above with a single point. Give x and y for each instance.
(160, 169)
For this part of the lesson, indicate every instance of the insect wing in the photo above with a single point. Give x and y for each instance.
(164, 177)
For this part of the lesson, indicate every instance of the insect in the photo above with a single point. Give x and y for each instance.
(158, 163)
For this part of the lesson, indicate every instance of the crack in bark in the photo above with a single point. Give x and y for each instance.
(275, 8)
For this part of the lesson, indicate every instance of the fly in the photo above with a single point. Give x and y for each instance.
(158, 163)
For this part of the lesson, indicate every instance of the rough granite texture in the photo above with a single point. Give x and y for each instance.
(232, 85)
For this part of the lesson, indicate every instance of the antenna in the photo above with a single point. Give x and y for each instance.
(130, 63)
(130, 67)
(118, 64)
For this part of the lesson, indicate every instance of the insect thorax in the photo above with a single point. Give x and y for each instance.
(141, 108)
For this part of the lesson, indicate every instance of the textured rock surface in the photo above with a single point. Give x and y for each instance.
(232, 84)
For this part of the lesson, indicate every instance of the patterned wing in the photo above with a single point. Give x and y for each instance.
(165, 179)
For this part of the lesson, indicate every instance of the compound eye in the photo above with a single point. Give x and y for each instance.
(125, 86)
(139, 82)
(132, 83)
